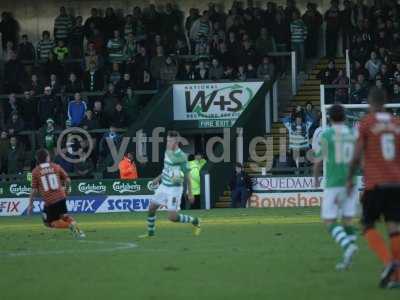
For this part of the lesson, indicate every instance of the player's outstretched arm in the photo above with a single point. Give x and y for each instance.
(157, 179)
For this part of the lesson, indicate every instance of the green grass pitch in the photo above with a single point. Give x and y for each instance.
(241, 254)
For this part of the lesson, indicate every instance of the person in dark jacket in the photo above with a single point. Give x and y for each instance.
(14, 75)
(15, 157)
(9, 29)
(27, 108)
(241, 187)
(15, 124)
(48, 106)
(73, 85)
(26, 50)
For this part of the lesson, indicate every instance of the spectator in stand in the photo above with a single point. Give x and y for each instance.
(9, 29)
(98, 114)
(73, 85)
(15, 157)
(359, 94)
(216, 71)
(373, 65)
(93, 79)
(145, 81)
(229, 73)
(281, 30)
(341, 94)
(115, 47)
(119, 117)
(329, 74)
(111, 98)
(130, 48)
(168, 71)
(61, 51)
(52, 66)
(28, 110)
(4, 146)
(55, 84)
(309, 113)
(313, 20)
(266, 70)
(187, 73)
(130, 105)
(201, 28)
(35, 86)
(62, 25)
(251, 72)
(111, 24)
(76, 110)
(358, 68)
(193, 16)
(26, 51)
(76, 37)
(123, 84)
(115, 74)
(10, 107)
(298, 32)
(332, 18)
(14, 75)
(94, 19)
(91, 57)
(15, 124)
(89, 122)
(48, 106)
(201, 71)
(10, 51)
(157, 62)
(265, 43)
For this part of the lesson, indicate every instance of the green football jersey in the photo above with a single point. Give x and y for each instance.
(337, 149)
(175, 167)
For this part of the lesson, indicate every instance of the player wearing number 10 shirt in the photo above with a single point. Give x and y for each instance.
(378, 145)
(51, 182)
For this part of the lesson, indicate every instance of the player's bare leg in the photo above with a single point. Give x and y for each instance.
(340, 236)
(173, 216)
(151, 221)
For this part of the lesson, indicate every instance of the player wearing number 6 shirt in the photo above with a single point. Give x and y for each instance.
(51, 181)
(378, 145)
(336, 151)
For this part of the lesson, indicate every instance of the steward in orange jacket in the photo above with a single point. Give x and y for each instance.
(127, 168)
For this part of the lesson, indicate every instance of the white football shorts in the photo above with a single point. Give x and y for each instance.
(336, 203)
(168, 196)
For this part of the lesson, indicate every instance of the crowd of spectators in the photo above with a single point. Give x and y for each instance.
(371, 33)
(86, 72)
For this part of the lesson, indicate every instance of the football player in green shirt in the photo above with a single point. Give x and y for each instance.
(169, 192)
(336, 151)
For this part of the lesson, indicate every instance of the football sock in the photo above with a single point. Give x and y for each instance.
(59, 224)
(351, 232)
(395, 245)
(377, 245)
(340, 236)
(151, 225)
(186, 219)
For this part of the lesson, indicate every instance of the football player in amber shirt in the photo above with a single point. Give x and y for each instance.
(50, 181)
(378, 145)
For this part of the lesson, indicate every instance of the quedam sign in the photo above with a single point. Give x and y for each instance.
(291, 191)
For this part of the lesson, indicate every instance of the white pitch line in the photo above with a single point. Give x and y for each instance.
(117, 246)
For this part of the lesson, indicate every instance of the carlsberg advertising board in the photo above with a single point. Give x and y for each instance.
(213, 104)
